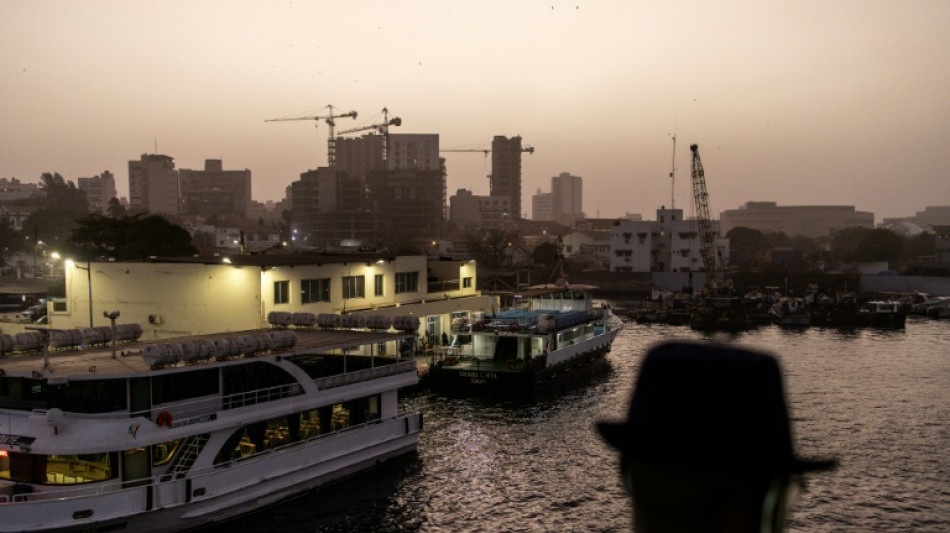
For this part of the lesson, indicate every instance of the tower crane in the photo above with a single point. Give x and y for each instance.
(712, 265)
(330, 121)
(486, 151)
(382, 128)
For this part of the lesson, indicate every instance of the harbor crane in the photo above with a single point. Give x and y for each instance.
(330, 121)
(712, 265)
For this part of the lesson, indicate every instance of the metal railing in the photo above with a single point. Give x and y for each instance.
(364, 375)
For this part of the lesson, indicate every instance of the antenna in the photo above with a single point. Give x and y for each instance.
(673, 176)
(156, 144)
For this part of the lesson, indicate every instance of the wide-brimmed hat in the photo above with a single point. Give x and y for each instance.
(709, 407)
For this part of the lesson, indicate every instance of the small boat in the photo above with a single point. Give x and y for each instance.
(190, 432)
(791, 312)
(548, 341)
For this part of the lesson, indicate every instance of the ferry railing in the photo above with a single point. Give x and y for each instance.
(164, 480)
(347, 378)
(195, 408)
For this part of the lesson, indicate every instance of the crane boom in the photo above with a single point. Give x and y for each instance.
(330, 121)
(706, 234)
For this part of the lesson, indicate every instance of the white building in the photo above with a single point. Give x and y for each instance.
(541, 206)
(567, 199)
(99, 190)
(668, 244)
(153, 185)
(203, 295)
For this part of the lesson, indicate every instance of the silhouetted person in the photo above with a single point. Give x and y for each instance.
(707, 444)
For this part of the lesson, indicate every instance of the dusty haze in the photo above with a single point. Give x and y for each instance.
(804, 102)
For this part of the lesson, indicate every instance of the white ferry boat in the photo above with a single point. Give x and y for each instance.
(548, 341)
(173, 436)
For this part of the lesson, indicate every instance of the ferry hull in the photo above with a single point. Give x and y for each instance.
(520, 383)
(188, 503)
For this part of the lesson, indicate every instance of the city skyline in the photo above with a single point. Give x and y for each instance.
(803, 103)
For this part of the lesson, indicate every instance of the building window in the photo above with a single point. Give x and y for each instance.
(281, 292)
(467, 283)
(378, 285)
(407, 282)
(315, 290)
(354, 287)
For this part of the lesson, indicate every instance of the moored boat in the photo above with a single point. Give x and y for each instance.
(553, 338)
(189, 432)
(790, 312)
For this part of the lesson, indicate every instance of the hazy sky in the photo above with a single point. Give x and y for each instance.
(800, 102)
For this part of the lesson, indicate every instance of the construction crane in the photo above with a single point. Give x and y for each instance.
(382, 128)
(331, 123)
(712, 264)
(486, 151)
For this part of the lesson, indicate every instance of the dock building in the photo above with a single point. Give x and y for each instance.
(203, 295)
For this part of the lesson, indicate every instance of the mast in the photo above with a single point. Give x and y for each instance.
(673, 176)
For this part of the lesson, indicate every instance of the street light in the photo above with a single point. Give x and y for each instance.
(88, 269)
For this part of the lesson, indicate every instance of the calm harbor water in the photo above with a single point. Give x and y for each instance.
(879, 401)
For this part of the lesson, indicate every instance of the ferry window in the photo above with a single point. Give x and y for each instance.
(354, 287)
(23, 393)
(341, 418)
(407, 282)
(91, 396)
(57, 469)
(163, 452)
(281, 292)
(315, 290)
(378, 285)
(467, 283)
(183, 385)
(309, 424)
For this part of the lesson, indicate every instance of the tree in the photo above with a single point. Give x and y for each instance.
(545, 253)
(55, 218)
(492, 248)
(115, 209)
(11, 241)
(63, 194)
(134, 237)
(866, 244)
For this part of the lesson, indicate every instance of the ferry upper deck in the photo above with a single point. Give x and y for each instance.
(99, 360)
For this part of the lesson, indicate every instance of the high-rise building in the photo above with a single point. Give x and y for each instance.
(153, 185)
(99, 190)
(372, 198)
(414, 150)
(506, 171)
(567, 199)
(215, 191)
(359, 155)
(328, 207)
(541, 206)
